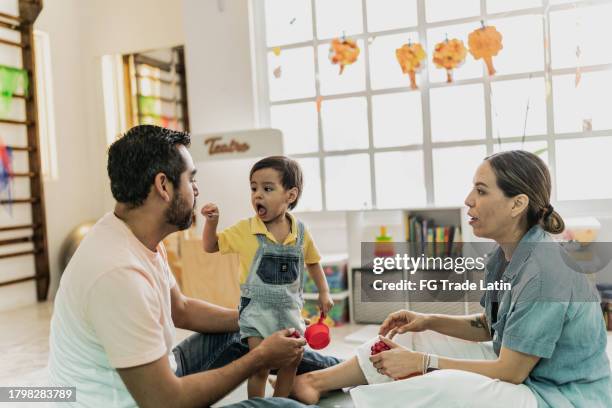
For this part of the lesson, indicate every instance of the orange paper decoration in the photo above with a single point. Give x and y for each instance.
(449, 55)
(485, 43)
(409, 57)
(343, 52)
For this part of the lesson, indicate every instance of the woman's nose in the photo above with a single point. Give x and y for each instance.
(469, 201)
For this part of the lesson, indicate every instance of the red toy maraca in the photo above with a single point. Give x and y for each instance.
(381, 346)
(317, 334)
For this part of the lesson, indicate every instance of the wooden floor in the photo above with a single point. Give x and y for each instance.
(24, 350)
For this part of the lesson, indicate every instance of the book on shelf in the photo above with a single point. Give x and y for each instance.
(430, 239)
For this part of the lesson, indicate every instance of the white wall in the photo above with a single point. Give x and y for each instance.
(218, 58)
(80, 33)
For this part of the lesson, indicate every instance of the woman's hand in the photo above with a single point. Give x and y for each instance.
(399, 362)
(403, 321)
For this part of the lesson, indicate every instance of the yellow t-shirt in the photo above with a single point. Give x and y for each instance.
(241, 238)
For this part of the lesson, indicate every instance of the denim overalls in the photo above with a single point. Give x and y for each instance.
(271, 299)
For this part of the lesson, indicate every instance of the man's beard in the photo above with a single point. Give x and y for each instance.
(179, 215)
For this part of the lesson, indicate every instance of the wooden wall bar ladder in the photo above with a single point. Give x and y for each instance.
(36, 231)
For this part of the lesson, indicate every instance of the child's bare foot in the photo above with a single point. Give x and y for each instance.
(304, 389)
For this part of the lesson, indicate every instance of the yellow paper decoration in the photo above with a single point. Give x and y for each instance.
(409, 56)
(485, 43)
(449, 54)
(343, 52)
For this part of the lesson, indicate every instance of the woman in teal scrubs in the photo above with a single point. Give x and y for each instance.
(548, 336)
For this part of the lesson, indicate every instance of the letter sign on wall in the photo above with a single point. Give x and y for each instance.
(237, 145)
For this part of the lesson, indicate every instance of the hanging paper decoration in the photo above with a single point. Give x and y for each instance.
(485, 43)
(343, 52)
(318, 102)
(409, 57)
(449, 54)
(11, 79)
(6, 171)
(278, 71)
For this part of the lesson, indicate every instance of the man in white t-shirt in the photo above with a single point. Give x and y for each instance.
(113, 324)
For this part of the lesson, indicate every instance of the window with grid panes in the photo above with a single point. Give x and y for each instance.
(378, 144)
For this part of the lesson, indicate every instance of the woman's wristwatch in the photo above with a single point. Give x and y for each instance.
(432, 363)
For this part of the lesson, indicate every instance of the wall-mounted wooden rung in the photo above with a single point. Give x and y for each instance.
(21, 148)
(11, 43)
(20, 201)
(10, 26)
(13, 241)
(16, 254)
(19, 227)
(10, 17)
(163, 117)
(163, 81)
(12, 282)
(27, 175)
(17, 122)
(161, 98)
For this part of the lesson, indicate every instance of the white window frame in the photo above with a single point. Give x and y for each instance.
(263, 103)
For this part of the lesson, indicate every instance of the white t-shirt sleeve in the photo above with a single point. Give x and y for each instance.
(125, 312)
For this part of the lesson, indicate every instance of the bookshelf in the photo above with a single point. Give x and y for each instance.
(344, 231)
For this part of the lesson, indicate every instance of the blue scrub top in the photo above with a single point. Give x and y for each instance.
(553, 312)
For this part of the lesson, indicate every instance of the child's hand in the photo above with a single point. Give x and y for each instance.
(325, 302)
(210, 211)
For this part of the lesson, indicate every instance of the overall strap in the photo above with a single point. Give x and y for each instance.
(300, 234)
(261, 238)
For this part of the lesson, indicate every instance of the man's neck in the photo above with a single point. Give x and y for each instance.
(145, 225)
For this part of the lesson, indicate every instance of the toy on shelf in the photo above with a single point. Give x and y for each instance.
(317, 334)
(383, 246)
(449, 54)
(485, 43)
(409, 56)
(343, 51)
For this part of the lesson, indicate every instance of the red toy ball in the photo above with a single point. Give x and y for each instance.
(379, 347)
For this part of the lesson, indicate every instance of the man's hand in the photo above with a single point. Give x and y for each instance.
(210, 211)
(403, 321)
(279, 349)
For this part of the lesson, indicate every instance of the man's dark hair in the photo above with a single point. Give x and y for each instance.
(290, 173)
(136, 158)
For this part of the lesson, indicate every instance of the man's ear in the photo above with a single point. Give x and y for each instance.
(519, 204)
(163, 186)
